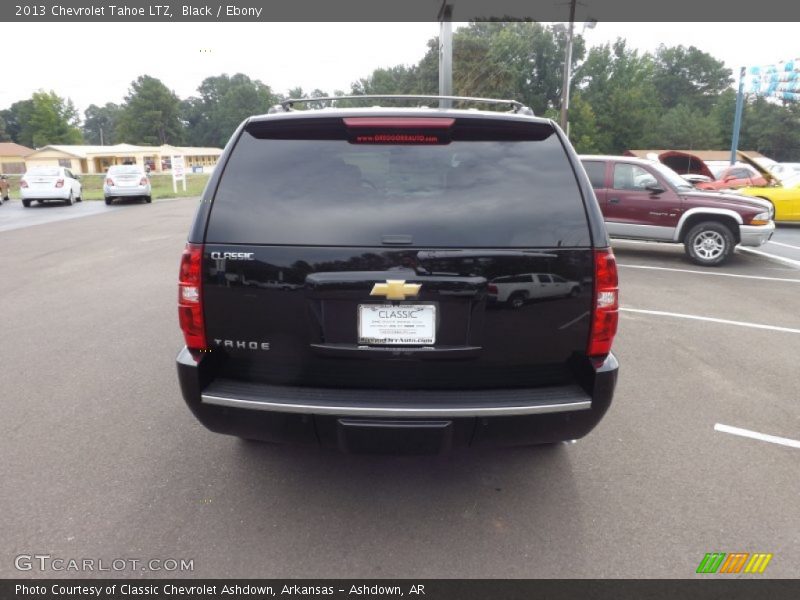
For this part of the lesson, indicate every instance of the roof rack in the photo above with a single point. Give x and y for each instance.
(286, 105)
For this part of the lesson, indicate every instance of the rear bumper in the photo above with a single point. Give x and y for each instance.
(756, 235)
(393, 420)
(47, 194)
(117, 191)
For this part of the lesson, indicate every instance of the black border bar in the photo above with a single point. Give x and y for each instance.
(710, 587)
(667, 11)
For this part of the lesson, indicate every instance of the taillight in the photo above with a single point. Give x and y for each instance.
(60, 183)
(190, 299)
(23, 183)
(143, 181)
(605, 312)
(492, 288)
(109, 181)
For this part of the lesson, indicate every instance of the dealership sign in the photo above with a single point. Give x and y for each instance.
(178, 172)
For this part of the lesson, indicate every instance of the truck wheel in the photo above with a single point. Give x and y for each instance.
(517, 300)
(709, 243)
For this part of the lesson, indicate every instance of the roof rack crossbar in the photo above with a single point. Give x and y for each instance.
(516, 106)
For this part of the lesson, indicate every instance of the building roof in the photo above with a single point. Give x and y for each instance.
(712, 155)
(83, 151)
(12, 149)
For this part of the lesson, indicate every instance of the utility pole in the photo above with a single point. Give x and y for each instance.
(445, 52)
(567, 68)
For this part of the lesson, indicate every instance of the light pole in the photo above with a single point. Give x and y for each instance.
(590, 24)
(445, 53)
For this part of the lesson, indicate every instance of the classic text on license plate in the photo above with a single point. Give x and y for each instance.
(403, 324)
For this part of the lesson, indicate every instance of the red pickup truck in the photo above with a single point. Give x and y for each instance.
(646, 200)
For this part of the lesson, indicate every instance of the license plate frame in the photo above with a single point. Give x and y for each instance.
(397, 328)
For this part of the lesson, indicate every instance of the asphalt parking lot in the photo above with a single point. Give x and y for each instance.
(103, 460)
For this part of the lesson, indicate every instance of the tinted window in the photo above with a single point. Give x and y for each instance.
(597, 173)
(472, 192)
(632, 177)
(545, 278)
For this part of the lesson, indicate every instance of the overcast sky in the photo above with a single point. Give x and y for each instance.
(95, 62)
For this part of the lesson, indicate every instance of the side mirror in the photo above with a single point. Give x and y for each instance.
(730, 178)
(655, 189)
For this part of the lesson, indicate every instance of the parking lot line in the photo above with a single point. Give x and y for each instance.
(710, 273)
(784, 245)
(710, 320)
(775, 257)
(757, 436)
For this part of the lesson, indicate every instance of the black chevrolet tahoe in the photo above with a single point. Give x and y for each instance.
(335, 287)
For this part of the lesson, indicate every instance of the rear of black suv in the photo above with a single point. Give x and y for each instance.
(334, 288)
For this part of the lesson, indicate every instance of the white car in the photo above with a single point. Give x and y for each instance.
(516, 290)
(49, 183)
(785, 169)
(126, 181)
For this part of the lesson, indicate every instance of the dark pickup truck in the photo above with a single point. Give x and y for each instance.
(645, 200)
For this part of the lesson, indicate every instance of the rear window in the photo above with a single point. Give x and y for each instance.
(125, 170)
(44, 171)
(596, 172)
(488, 184)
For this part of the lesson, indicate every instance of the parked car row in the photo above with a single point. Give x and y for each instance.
(48, 183)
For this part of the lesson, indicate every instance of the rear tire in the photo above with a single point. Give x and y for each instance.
(709, 243)
(516, 300)
(26, 203)
(69, 200)
(148, 199)
(108, 201)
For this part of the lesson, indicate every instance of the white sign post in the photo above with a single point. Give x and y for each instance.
(178, 173)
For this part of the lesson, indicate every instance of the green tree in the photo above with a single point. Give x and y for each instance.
(618, 84)
(583, 131)
(48, 119)
(14, 117)
(151, 114)
(772, 129)
(4, 137)
(100, 123)
(224, 102)
(518, 60)
(688, 76)
(685, 128)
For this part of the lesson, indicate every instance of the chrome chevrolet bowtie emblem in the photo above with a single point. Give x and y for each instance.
(395, 289)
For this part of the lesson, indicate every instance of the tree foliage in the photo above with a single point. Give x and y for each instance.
(100, 123)
(45, 118)
(223, 103)
(151, 114)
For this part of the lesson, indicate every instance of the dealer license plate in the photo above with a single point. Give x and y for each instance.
(401, 325)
